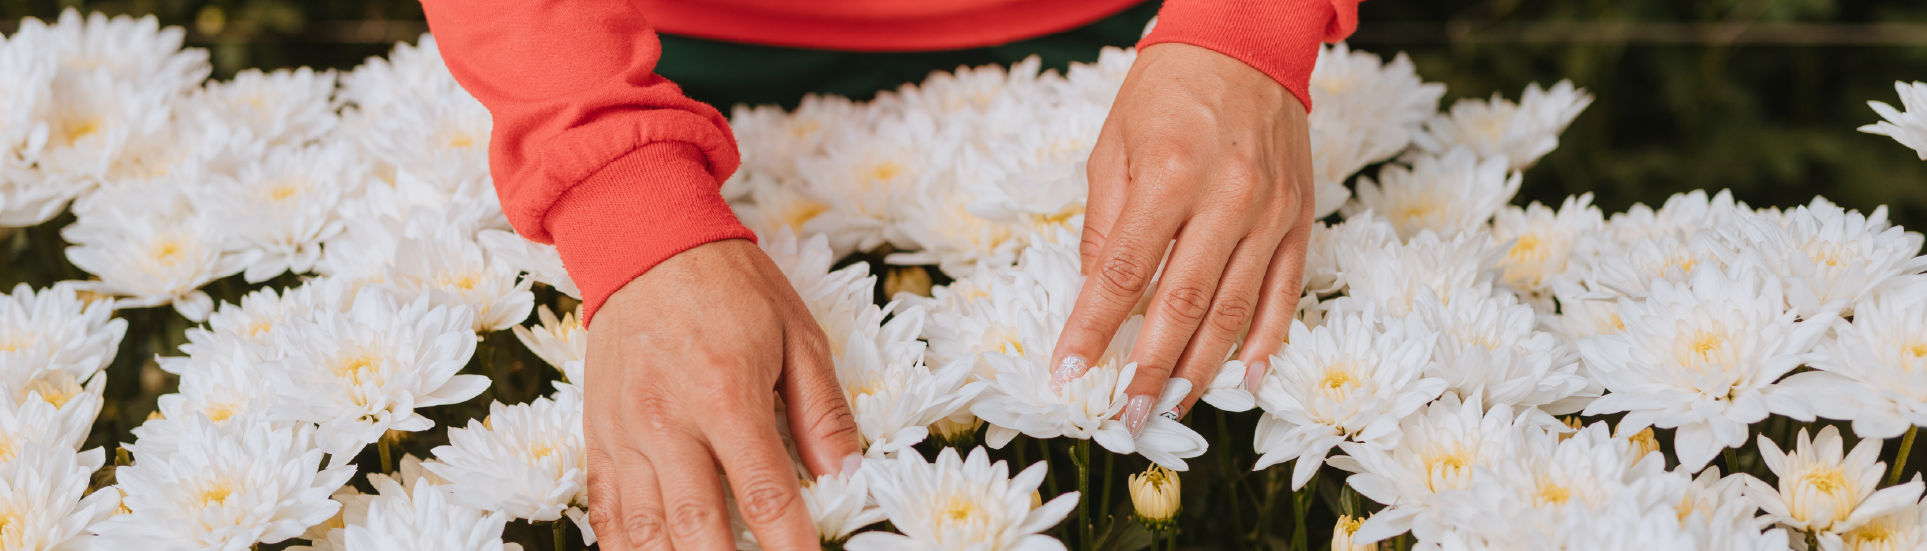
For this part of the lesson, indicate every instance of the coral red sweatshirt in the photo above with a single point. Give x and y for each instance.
(595, 153)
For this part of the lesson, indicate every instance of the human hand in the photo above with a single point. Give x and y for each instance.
(683, 368)
(1206, 150)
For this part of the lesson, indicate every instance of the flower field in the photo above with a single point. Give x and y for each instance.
(285, 311)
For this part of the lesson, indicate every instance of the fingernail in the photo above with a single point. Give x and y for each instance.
(1254, 375)
(1071, 367)
(1176, 413)
(1136, 413)
(851, 463)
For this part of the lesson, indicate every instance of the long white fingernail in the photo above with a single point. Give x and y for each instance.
(1070, 368)
(1136, 413)
(851, 463)
(1254, 375)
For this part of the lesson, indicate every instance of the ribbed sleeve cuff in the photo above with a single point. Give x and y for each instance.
(646, 206)
(1277, 37)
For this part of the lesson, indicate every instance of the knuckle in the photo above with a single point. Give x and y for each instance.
(644, 529)
(1229, 313)
(833, 424)
(692, 518)
(1185, 302)
(764, 501)
(1123, 274)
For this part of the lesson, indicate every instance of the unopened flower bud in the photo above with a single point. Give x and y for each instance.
(1156, 495)
(1342, 535)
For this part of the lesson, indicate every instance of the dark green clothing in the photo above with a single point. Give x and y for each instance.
(727, 73)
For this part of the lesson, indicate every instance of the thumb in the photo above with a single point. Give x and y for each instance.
(820, 418)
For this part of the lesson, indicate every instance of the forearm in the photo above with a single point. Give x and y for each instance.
(590, 149)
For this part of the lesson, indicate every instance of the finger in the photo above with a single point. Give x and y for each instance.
(1230, 313)
(1277, 301)
(1107, 181)
(762, 477)
(819, 415)
(641, 524)
(1120, 276)
(692, 494)
(1178, 306)
(605, 497)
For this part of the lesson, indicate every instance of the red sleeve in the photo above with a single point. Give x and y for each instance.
(1277, 37)
(591, 150)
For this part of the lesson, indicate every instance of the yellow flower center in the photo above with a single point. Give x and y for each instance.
(216, 494)
(466, 281)
(1826, 481)
(958, 509)
(219, 412)
(284, 190)
(1552, 493)
(883, 172)
(77, 130)
(800, 211)
(8, 448)
(168, 252)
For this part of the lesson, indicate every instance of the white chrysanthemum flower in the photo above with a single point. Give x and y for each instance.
(1823, 491)
(840, 505)
(1439, 451)
(442, 138)
(252, 324)
(1365, 111)
(364, 372)
(225, 489)
(1390, 277)
(969, 316)
(134, 51)
(1683, 214)
(408, 71)
(1521, 132)
(57, 415)
(54, 329)
(542, 262)
(968, 91)
(331, 535)
(1908, 128)
(527, 460)
(1346, 380)
(44, 499)
(222, 384)
(423, 519)
(1830, 258)
(1017, 351)
(95, 123)
(892, 393)
(1579, 317)
(770, 207)
(453, 270)
(282, 108)
(1490, 348)
(278, 210)
(152, 254)
(958, 503)
(1904, 528)
(944, 232)
(556, 341)
(1360, 231)
(1630, 269)
(25, 198)
(773, 141)
(1451, 193)
(1099, 81)
(1541, 245)
(1874, 370)
(384, 216)
(865, 173)
(1702, 357)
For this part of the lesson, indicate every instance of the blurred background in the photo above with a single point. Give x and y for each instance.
(1758, 96)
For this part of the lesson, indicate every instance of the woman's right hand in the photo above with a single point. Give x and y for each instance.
(683, 369)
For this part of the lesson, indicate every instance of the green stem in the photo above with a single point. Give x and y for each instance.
(1272, 485)
(561, 530)
(1732, 461)
(1900, 461)
(1104, 505)
(1050, 475)
(1084, 494)
(1171, 540)
(1231, 478)
(1299, 502)
(387, 458)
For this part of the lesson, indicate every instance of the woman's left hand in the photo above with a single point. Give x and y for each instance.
(1205, 150)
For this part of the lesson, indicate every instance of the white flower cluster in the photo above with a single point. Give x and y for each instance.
(1442, 332)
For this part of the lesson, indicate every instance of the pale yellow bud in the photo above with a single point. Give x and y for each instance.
(1156, 495)
(1342, 535)
(907, 279)
(955, 433)
(1643, 442)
